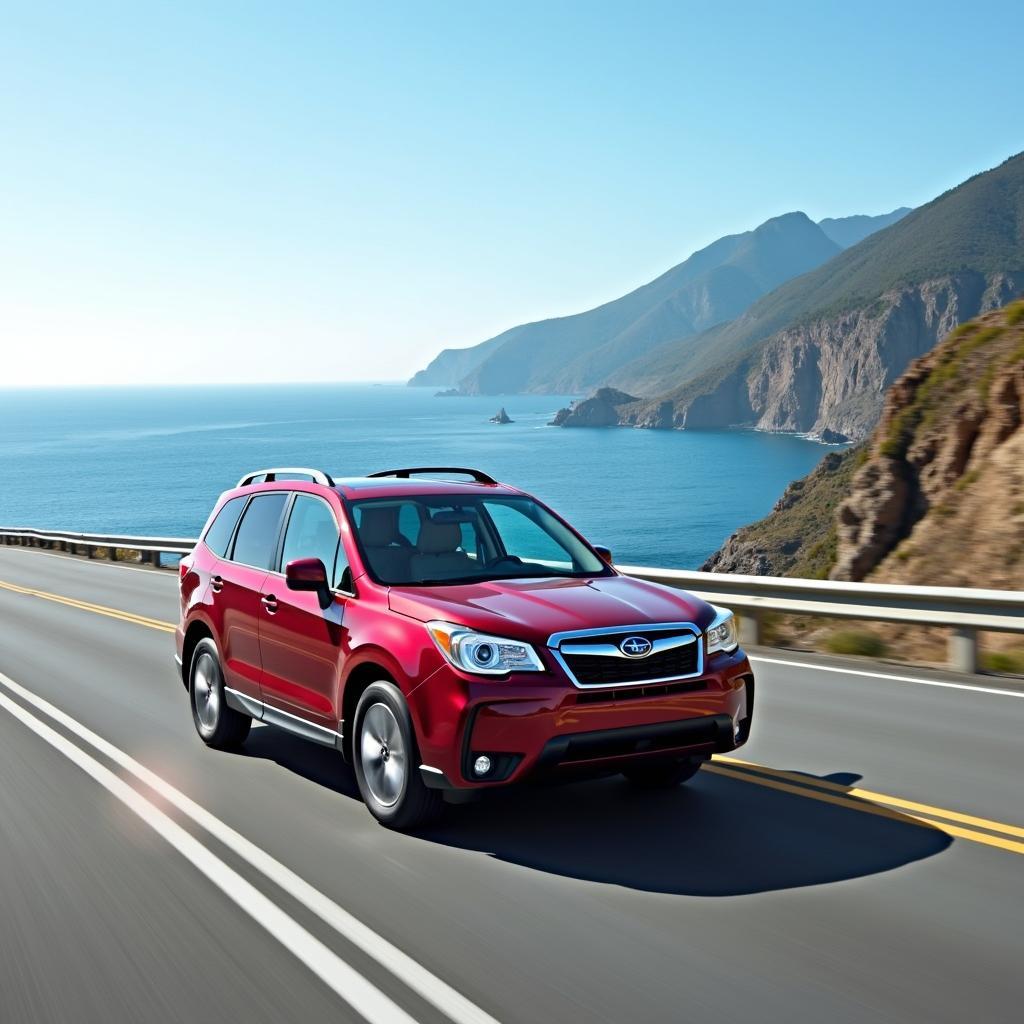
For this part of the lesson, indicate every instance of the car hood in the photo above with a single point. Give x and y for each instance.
(533, 609)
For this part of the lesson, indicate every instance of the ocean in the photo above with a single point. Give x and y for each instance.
(153, 460)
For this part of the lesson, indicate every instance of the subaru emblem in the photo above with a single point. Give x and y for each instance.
(636, 647)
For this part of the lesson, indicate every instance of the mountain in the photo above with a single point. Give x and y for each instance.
(936, 492)
(452, 364)
(574, 353)
(817, 353)
(847, 231)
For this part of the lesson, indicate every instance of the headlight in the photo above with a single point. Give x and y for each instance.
(481, 653)
(722, 634)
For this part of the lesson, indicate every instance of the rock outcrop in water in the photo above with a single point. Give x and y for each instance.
(500, 416)
(602, 409)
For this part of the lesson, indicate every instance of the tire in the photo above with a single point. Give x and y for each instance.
(218, 726)
(386, 760)
(662, 774)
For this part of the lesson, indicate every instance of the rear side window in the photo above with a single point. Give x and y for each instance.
(218, 536)
(256, 540)
(312, 533)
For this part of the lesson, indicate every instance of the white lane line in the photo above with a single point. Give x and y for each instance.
(810, 667)
(437, 992)
(354, 989)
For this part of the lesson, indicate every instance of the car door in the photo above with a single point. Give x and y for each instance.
(302, 645)
(237, 589)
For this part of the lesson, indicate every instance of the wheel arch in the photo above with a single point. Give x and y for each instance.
(356, 683)
(197, 630)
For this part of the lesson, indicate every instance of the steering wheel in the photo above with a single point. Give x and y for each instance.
(502, 560)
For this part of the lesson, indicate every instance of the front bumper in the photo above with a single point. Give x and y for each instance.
(529, 728)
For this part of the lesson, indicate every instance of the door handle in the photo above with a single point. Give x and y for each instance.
(270, 603)
(217, 584)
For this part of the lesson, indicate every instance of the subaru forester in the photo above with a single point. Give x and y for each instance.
(447, 634)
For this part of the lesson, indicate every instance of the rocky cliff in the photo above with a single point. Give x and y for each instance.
(816, 354)
(936, 496)
(940, 498)
(827, 377)
(798, 538)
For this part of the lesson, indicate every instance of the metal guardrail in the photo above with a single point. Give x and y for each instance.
(965, 611)
(150, 548)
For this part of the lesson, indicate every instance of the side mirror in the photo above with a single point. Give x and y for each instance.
(605, 553)
(309, 574)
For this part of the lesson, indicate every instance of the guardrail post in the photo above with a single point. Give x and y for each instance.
(962, 651)
(751, 628)
(112, 553)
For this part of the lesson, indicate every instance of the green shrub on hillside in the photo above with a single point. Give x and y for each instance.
(855, 641)
(1015, 313)
(1011, 662)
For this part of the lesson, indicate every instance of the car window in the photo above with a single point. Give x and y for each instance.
(312, 532)
(218, 536)
(256, 539)
(524, 537)
(467, 539)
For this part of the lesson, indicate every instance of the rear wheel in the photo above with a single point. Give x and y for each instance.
(218, 725)
(386, 761)
(662, 774)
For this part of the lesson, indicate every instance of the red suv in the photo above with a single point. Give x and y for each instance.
(447, 636)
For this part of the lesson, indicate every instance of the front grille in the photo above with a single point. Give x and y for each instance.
(595, 669)
(596, 658)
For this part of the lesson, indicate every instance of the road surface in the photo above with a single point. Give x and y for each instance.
(864, 862)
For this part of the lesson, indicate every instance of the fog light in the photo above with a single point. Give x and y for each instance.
(482, 765)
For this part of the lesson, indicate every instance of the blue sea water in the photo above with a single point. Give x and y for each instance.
(153, 460)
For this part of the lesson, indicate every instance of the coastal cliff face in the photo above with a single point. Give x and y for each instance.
(940, 498)
(816, 354)
(936, 496)
(827, 378)
(798, 538)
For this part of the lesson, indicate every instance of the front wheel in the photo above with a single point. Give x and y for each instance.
(386, 761)
(662, 774)
(218, 725)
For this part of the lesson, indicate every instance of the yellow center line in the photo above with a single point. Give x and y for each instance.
(863, 800)
(906, 817)
(869, 794)
(88, 606)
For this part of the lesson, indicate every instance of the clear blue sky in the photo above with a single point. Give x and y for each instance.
(324, 190)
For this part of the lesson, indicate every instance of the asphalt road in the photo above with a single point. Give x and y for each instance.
(870, 867)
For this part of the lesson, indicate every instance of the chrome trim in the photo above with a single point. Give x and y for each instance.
(428, 768)
(282, 719)
(556, 639)
(667, 643)
(317, 476)
(177, 659)
(723, 615)
(244, 703)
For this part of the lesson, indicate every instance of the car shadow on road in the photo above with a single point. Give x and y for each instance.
(719, 835)
(322, 765)
(716, 836)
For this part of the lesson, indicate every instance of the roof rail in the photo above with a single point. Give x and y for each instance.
(404, 474)
(317, 476)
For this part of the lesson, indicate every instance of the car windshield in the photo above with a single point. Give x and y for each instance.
(439, 539)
